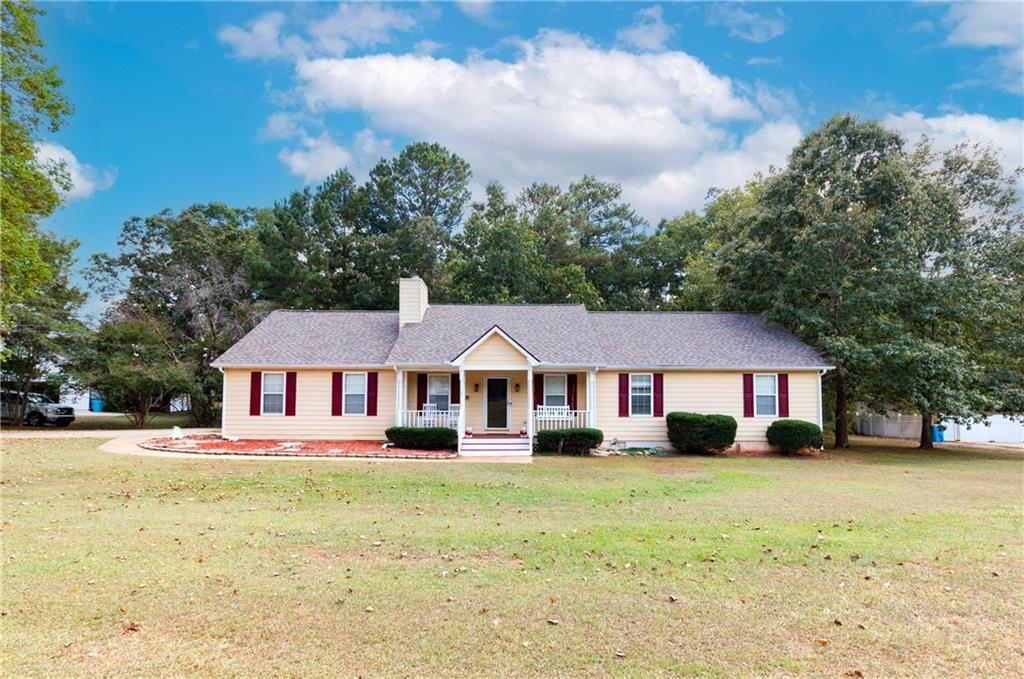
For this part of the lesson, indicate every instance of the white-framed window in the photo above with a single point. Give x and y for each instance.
(354, 394)
(273, 394)
(641, 394)
(556, 391)
(439, 392)
(766, 395)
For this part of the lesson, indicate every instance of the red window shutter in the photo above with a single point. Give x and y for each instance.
(783, 395)
(455, 389)
(538, 391)
(337, 389)
(623, 394)
(289, 393)
(421, 390)
(570, 391)
(371, 394)
(255, 392)
(748, 394)
(659, 394)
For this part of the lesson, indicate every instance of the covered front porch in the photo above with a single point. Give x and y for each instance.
(495, 402)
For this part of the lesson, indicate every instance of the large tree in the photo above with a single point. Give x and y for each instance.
(961, 297)
(186, 273)
(44, 332)
(824, 248)
(135, 362)
(30, 103)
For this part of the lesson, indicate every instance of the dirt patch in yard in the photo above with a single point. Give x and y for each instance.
(211, 444)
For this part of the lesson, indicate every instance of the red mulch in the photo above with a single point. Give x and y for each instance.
(212, 444)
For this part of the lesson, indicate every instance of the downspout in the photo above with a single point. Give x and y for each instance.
(821, 418)
(223, 402)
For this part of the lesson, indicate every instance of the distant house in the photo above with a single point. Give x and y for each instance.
(500, 373)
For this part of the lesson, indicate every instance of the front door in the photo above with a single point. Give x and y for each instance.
(496, 413)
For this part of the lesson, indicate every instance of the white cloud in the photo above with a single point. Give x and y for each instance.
(764, 61)
(319, 156)
(478, 10)
(749, 26)
(261, 38)
(649, 32)
(350, 25)
(359, 25)
(282, 125)
(85, 179)
(316, 158)
(675, 189)
(1005, 135)
(991, 25)
(565, 107)
(427, 47)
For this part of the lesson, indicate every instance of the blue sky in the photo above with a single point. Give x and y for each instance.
(183, 103)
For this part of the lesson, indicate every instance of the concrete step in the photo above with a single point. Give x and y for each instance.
(512, 446)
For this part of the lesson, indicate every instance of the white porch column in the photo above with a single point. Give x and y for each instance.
(462, 406)
(529, 403)
(592, 398)
(399, 396)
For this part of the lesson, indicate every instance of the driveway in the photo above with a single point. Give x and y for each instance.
(54, 433)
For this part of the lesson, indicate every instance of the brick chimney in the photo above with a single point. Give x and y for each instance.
(412, 300)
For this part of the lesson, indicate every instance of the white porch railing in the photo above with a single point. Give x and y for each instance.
(556, 417)
(431, 417)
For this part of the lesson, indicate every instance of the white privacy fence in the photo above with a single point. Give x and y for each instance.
(889, 426)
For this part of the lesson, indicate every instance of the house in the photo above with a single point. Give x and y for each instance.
(500, 373)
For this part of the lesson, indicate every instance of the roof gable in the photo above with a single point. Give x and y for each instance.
(492, 336)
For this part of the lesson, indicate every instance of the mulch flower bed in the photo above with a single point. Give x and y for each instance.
(212, 444)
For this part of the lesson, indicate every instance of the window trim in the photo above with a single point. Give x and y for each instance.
(775, 377)
(565, 394)
(344, 393)
(448, 379)
(631, 414)
(283, 392)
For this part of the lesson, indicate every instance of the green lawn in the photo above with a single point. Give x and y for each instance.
(117, 421)
(884, 561)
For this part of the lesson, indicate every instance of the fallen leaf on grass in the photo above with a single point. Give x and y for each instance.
(822, 642)
(552, 621)
(620, 654)
(368, 609)
(552, 598)
(673, 598)
(857, 674)
(837, 622)
(130, 628)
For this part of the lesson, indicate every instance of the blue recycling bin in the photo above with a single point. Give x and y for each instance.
(938, 435)
(96, 404)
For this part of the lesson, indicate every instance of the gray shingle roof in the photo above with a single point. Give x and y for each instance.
(698, 340)
(316, 338)
(554, 334)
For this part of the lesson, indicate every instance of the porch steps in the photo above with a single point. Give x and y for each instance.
(494, 446)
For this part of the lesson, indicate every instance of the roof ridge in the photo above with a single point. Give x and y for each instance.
(335, 311)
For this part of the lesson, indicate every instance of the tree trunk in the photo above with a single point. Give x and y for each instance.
(842, 425)
(926, 432)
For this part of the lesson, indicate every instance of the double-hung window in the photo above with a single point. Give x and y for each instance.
(273, 394)
(439, 392)
(354, 397)
(555, 391)
(766, 395)
(641, 394)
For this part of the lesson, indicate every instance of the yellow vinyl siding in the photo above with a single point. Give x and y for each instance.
(475, 399)
(495, 350)
(701, 392)
(312, 419)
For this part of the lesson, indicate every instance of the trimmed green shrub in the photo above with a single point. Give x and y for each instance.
(576, 441)
(696, 433)
(790, 436)
(424, 438)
